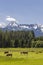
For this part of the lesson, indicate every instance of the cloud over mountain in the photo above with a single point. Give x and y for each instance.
(10, 19)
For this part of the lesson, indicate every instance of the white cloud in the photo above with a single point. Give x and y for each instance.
(10, 19)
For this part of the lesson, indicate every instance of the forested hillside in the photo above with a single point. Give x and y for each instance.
(21, 39)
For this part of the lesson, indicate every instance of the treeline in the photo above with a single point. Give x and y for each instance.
(19, 39)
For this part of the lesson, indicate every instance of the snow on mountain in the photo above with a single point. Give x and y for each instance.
(35, 26)
(38, 29)
(41, 28)
(24, 26)
(2, 25)
(13, 25)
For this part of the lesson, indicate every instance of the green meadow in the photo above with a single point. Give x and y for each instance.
(34, 56)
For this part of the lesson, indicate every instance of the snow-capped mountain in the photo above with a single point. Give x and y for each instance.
(38, 29)
(2, 25)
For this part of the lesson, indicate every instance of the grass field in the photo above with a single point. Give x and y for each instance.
(34, 56)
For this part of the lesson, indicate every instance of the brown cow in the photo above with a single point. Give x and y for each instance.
(24, 52)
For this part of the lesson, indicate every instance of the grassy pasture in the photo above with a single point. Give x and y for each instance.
(34, 56)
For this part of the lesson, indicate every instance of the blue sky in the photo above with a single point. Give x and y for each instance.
(25, 11)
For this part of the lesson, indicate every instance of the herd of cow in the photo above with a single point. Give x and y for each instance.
(7, 53)
(10, 54)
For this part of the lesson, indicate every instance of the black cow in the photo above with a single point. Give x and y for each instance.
(9, 55)
(6, 52)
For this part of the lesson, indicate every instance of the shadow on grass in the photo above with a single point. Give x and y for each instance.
(4, 58)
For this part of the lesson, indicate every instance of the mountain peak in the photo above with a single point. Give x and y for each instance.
(38, 29)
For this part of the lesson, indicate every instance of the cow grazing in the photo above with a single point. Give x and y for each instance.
(24, 52)
(9, 55)
(6, 52)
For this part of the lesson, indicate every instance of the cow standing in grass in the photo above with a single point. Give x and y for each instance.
(24, 52)
(6, 52)
(9, 55)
